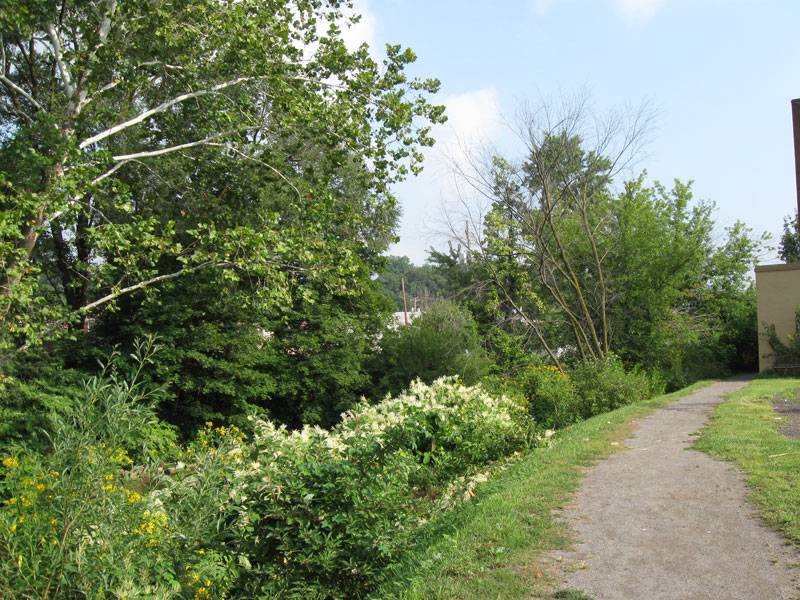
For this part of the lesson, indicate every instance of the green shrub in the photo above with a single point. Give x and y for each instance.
(604, 384)
(443, 341)
(81, 520)
(303, 514)
(328, 511)
(545, 391)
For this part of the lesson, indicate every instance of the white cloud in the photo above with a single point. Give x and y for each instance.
(639, 9)
(472, 119)
(363, 31)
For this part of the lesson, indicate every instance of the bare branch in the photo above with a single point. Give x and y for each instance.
(21, 92)
(110, 172)
(102, 32)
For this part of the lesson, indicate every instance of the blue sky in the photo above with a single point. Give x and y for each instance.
(718, 76)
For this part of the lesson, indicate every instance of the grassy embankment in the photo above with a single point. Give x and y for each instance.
(490, 547)
(743, 430)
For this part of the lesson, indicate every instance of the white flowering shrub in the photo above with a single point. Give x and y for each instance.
(310, 514)
(326, 511)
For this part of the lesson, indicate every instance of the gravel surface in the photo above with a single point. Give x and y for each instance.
(658, 521)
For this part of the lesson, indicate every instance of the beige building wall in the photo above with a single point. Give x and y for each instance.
(778, 290)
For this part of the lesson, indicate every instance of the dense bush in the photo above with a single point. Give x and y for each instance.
(603, 385)
(81, 520)
(310, 514)
(328, 511)
(443, 341)
(546, 392)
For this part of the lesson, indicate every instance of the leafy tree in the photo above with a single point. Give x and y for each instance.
(423, 284)
(143, 142)
(224, 359)
(789, 246)
(443, 341)
(591, 270)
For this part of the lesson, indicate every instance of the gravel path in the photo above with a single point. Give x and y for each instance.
(659, 522)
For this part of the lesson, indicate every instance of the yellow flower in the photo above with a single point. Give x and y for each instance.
(12, 462)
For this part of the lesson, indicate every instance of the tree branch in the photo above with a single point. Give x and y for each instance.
(58, 55)
(113, 296)
(159, 109)
(159, 152)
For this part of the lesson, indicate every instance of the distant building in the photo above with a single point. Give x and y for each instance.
(778, 290)
(398, 320)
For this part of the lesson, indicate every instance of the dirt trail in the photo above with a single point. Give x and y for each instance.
(657, 522)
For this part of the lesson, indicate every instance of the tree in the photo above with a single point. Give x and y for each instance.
(143, 142)
(789, 247)
(224, 359)
(422, 284)
(444, 340)
(592, 269)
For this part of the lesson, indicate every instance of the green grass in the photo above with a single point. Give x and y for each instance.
(490, 547)
(744, 430)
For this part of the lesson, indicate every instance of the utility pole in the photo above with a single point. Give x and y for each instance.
(405, 308)
(796, 128)
(469, 243)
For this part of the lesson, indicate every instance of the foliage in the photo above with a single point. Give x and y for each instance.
(224, 360)
(789, 246)
(143, 143)
(309, 513)
(444, 340)
(591, 267)
(423, 284)
(326, 512)
(82, 521)
(604, 384)
(546, 392)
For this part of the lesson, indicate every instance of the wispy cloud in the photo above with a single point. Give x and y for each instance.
(639, 9)
(472, 118)
(633, 9)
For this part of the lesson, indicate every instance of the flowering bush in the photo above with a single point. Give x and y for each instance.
(548, 394)
(301, 514)
(324, 512)
(82, 521)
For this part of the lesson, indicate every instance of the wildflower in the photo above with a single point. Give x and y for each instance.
(12, 462)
